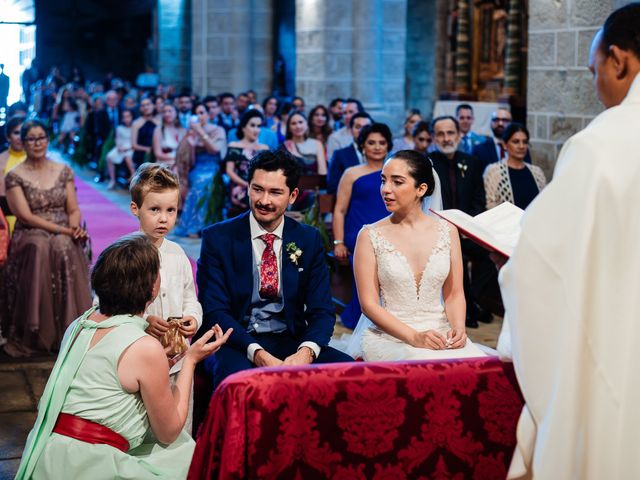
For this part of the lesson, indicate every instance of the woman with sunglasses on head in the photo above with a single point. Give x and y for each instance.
(47, 276)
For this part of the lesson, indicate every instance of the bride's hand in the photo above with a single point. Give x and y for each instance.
(430, 339)
(457, 338)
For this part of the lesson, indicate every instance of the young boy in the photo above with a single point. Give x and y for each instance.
(154, 201)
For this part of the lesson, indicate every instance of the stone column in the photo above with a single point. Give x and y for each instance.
(353, 49)
(513, 65)
(174, 42)
(232, 46)
(463, 48)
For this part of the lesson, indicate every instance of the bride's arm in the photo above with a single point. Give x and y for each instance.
(366, 273)
(455, 305)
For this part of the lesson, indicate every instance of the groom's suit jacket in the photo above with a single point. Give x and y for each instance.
(225, 282)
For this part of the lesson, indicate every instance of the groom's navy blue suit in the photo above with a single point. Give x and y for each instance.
(225, 286)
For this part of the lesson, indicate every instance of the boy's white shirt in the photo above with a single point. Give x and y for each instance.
(177, 295)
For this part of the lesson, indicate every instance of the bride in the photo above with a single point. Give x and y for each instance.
(408, 270)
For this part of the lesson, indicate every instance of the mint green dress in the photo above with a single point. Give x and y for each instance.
(84, 382)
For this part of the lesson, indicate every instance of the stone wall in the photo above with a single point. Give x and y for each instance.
(561, 99)
(174, 42)
(232, 46)
(353, 49)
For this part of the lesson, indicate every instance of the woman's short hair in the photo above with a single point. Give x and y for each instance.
(151, 177)
(12, 123)
(196, 105)
(420, 127)
(274, 160)
(29, 125)
(419, 168)
(124, 275)
(380, 128)
(512, 129)
(244, 121)
(289, 134)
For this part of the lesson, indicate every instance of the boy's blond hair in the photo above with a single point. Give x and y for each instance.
(151, 177)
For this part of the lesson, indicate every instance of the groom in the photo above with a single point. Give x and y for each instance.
(264, 275)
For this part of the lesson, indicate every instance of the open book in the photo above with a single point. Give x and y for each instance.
(496, 230)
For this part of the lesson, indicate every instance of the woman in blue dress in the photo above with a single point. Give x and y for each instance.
(358, 202)
(198, 162)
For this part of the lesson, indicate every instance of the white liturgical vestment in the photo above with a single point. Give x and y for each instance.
(572, 298)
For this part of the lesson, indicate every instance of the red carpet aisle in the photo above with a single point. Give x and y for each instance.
(106, 222)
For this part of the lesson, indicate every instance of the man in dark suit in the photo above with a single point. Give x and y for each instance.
(493, 150)
(462, 188)
(344, 158)
(264, 275)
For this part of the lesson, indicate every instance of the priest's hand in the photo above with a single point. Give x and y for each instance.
(429, 339)
(262, 358)
(456, 338)
(304, 356)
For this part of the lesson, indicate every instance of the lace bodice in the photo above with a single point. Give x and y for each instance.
(400, 293)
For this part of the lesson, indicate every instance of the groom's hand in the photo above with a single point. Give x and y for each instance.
(304, 356)
(262, 358)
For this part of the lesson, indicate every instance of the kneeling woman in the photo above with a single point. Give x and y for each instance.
(109, 389)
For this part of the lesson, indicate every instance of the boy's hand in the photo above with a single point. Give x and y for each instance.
(188, 327)
(157, 326)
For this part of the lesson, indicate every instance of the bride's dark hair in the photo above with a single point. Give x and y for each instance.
(419, 167)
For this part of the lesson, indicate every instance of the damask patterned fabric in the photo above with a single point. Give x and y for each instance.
(453, 419)
(268, 268)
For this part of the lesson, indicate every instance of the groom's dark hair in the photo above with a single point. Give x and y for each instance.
(274, 160)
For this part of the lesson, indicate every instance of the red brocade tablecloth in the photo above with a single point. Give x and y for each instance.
(451, 419)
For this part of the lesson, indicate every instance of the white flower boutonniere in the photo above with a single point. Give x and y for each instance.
(463, 168)
(294, 252)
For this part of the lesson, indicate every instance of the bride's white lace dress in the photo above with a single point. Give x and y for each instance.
(419, 305)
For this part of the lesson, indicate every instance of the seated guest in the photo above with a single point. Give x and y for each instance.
(462, 188)
(308, 151)
(47, 278)
(168, 136)
(266, 136)
(280, 126)
(242, 103)
(298, 104)
(335, 108)
(411, 291)
(358, 201)
(142, 131)
(422, 138)
(122, 152)
(350, 156)
(493, 149)
(213, 108)
(319, 127)
(513, 180)
(342, 138)
(269, 109)
(237, 160)
(9, 159)
(108, 410)
(228, 116)
(406, 141)
(469, 139)
(264, 275)
(198, 162)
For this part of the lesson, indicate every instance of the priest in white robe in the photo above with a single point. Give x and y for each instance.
(572, 287)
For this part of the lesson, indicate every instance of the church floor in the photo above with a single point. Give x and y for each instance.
(22, 382)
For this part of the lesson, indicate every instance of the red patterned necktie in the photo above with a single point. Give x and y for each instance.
(268, 268)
